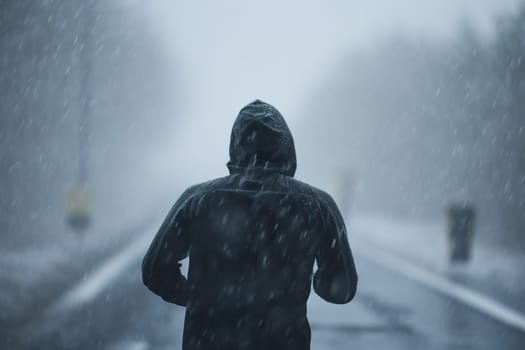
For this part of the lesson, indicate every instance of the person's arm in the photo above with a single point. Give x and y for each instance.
(160, 267)
(336, 278)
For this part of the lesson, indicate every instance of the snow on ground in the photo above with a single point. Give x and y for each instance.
(496, 271)
(34, 275)
(32, 278)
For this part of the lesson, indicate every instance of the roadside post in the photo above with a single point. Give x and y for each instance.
(78, 209)
(79, 202)
(460, 227)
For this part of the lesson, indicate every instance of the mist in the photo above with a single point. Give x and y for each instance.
(401, 111)
(235, 52)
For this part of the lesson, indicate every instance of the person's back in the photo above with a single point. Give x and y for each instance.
(252, 239)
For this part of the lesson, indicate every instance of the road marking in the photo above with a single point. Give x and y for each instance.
(87, 289)
(131, 345)
(138, 346)
(468, 296)
(91, 286)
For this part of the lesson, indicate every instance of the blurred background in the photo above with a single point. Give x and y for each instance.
(109, 109)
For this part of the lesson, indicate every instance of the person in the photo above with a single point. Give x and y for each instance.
(252, 238)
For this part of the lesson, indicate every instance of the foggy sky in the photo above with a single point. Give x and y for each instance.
(235, 51)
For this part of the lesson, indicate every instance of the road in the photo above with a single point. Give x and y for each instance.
(111, 309)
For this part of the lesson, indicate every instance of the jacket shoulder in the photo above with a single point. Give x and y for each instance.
(326, 204)
(201, 189)
(206, 186)
(312, 191)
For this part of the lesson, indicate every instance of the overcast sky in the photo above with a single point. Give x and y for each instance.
(233, 51)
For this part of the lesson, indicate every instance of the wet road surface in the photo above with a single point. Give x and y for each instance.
(391, 311)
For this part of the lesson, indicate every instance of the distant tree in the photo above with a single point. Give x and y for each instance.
(425, 122)
(41, 51)
(508, 62)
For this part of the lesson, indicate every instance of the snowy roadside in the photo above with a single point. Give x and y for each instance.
(492, 271)
(34, 276)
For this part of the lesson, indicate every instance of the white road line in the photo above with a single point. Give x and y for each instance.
(131, 345)
(470, 297)
(138, 346)
(88, 288)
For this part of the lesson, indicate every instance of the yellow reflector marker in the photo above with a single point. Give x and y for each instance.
(78, 208)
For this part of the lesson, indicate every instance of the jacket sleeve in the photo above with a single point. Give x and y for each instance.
(160, 267)
(336, 278)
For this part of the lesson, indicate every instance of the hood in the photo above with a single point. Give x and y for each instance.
(261, 139)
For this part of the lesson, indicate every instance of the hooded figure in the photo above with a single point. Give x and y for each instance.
(252, 239)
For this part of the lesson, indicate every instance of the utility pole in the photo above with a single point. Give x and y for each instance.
(79, 214)
(86, 90)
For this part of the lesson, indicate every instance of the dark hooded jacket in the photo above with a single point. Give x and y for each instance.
(252, 239)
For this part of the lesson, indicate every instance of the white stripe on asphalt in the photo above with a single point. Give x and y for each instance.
(138, 346)
(470, 297)
(88, 288)
(131, 345)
